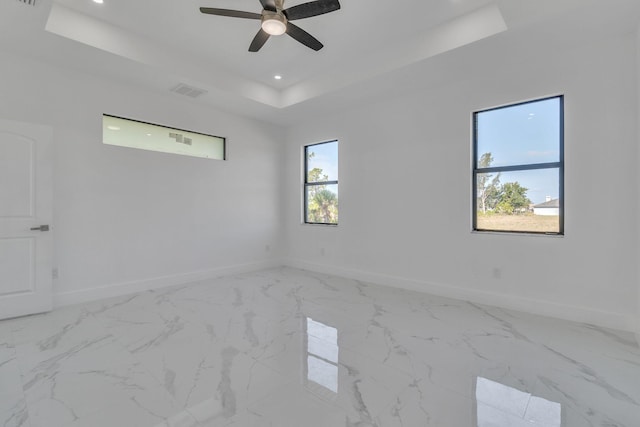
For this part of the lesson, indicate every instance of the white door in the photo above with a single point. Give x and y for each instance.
(26, 194)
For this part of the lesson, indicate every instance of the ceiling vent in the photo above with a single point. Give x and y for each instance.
(29, 2)
(186, 90)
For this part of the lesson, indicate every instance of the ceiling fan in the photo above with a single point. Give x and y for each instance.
(276, 20)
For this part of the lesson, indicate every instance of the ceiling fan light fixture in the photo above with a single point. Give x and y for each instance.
(274, 20)
(274, 24)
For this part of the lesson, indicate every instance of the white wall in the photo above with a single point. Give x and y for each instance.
(142, 219)
(405, 191)
(638, 160)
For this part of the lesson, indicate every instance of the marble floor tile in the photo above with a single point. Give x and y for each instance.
(285, 348)
(13, 405)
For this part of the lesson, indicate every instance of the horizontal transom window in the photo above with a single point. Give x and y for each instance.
(146, 136)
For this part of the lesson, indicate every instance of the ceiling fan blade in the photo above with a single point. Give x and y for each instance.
(231, 13)
(303, 37)
(259, 40)
(313, 8)
(268, 5)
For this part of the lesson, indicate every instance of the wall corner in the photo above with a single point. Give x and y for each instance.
(637, 325)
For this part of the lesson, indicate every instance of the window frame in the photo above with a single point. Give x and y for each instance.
(307, 184)
(559, 165)
(166, 128)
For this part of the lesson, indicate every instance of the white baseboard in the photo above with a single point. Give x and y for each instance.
(527, 305)
(119, 289)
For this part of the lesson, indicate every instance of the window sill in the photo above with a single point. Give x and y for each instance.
(514, 233)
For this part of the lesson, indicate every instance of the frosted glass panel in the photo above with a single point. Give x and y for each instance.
(146, 136)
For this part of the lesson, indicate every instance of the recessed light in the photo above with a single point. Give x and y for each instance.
(113, 128)
(277, 77)
(148, 134)
(98, 1)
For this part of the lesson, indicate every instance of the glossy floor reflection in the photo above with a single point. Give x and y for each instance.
(285, 348)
